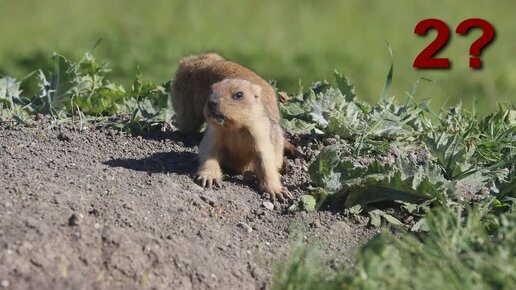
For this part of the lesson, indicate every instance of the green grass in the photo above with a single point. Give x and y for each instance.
(474, 249)
(452, 171)
(287, 41)
(401, 152)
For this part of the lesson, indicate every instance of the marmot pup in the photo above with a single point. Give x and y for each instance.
(242, 136)
(192, 86)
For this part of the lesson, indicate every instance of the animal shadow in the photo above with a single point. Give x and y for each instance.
(164, 162)
(186, 139)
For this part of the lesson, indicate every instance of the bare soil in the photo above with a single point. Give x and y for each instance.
(98, 209)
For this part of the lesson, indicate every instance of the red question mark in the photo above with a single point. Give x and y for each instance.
(479, 44)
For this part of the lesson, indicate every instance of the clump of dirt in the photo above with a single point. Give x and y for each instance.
(103, 210)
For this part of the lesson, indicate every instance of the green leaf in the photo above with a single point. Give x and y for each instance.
(419, 226)
(451, 153)
(297, 125)
(377, 215)
(405, 179)
(63, 81)
(309, 202)
(392, 220)
(9, 91)
(345, 87)
(322, 170)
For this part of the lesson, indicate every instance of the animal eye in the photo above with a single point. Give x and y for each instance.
(238, 95)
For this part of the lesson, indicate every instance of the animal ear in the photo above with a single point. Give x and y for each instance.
(256, 90)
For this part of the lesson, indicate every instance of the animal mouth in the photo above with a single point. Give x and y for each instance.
(217, 117)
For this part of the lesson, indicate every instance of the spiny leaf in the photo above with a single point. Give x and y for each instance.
(9, 91)
(405, 178)
(345, 87)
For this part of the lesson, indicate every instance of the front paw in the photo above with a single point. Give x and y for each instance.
(207, 178)
(277, 192)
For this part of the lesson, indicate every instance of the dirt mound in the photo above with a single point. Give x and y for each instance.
(97, 209)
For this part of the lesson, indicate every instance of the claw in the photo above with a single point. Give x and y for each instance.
(282, 196)
(208, 182)
(286, 193)
(199, 180)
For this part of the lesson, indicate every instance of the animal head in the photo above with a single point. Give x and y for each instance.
(233, 103)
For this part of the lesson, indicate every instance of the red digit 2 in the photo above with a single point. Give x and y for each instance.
(425, 58)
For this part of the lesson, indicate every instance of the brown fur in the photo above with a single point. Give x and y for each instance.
(242, 136)
(192, 86)
(250, 139)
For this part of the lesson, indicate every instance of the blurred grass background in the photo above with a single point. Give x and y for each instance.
(293, 42)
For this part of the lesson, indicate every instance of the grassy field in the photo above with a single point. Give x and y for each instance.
(292, 42)
(475, 254)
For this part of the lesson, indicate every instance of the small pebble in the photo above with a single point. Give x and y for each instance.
(5, 283)
(73, 220)
(63, 137)
(245, 227)
(316, 224)
(330, 141)
(268, 205)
